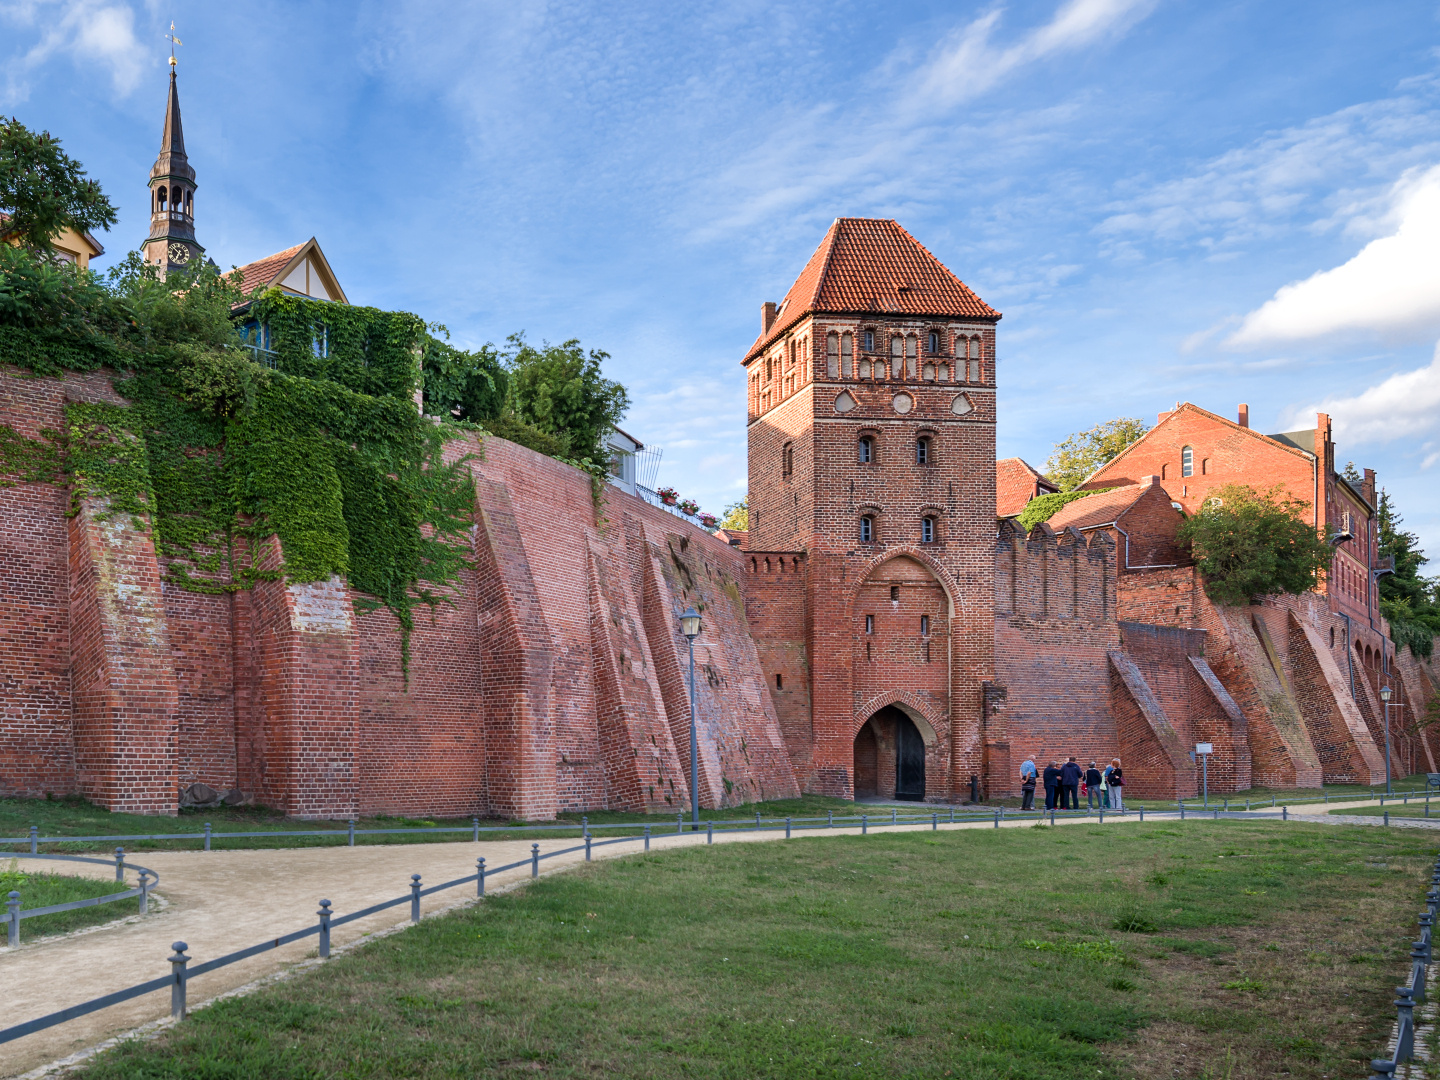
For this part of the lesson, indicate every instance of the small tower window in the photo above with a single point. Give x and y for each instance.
(867, 450)
(867, 529)
(925, 625)
(869, 340)
(779, 682)
(934, 343)
(894, 594)
(927, 530)
(787, 460)
(832, 355)
(1187, 461)
(922, 450)
(869, 624)
(160, 193)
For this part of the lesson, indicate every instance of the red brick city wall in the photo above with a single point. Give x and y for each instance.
(775, 594)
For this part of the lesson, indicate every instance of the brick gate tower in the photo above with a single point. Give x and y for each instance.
(872, 516)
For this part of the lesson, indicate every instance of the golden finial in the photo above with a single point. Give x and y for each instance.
(170, 37)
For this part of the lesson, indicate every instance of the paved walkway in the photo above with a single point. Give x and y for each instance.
(219, 901)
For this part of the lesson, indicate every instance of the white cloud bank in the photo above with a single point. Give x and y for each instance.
(1391, 288)
(89, 32)
(1404, 406)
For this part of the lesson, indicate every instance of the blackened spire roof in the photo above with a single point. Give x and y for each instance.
(172, 160)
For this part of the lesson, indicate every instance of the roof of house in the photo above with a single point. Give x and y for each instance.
(1016, 481)
(99, 249)
(734, 537)
(873, 265)
(274, 269)
(1102, 508)
(264, 271)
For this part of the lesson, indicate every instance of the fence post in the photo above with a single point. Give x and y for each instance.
(1102, 815)
(1052, 816)
(324, 914)
(997, 819)
(207, 836)
(893, 813)
(1387, 817)
(1427, 923)
(1405, 1037)
(1285, 815)
(585, 826)
(864, 824)
(480, 876)
(829, 819)
(34, 839)
(934, 822)
(787, 828)
(647, 837)
(414, 898)
(12, 920)
(534, 860)
(351, 832)
(709, 832)
(1417, 971)
(144, 892)
(757, 819)
(177, 988)
(1182, 809)
(1142, 813)
(587, 847)
(1215, 815)
(679, 827)
(120, 865)
(475, 824)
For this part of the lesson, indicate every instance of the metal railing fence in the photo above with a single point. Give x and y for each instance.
(15, 912)
(1413, 992)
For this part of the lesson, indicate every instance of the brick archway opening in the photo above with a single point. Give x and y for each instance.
(889, 756)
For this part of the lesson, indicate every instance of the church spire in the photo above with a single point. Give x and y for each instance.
(171, 243)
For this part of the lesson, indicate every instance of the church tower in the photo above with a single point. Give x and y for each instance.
(872, 516)
(171, 243)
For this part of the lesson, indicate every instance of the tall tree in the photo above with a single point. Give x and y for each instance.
(44, 190)
(737, 515)
(1085, 451)
(1409, 602)
(1249, 543)
(561, 390)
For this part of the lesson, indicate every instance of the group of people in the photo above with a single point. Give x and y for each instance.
(1064, 784)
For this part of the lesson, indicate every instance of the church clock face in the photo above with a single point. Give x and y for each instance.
(178, 253)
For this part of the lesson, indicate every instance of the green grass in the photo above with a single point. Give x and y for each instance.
(1261, 795)
(41, 889)
(1397, 809)
(978, 954)
(74, 816)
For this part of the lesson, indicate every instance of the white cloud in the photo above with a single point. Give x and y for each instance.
(92, 33)
(1392, 287)
(1404, 406)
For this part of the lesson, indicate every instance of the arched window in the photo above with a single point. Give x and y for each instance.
(847, 350)
(869, 340)
(927, 530)
(911, 345)
(934, 343)
(832, 355)
(897, 345)
(1187, 461)
(867, 449)
(867, 536)
(190, 202)
(160, 193)
(787, 460)
(927, 372)
(922, 450)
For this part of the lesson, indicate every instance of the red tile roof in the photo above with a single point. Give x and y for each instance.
(264, 271)
(873, 265)
(1016, 483)
(1099, 509)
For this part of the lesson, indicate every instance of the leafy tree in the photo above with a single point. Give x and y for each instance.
(44, 190)
(1085, 451)
(560, 390)
(1249, 543)
(737, 515)
(1410, 602)
(466, 385)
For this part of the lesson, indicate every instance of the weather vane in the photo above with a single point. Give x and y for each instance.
(170, 37)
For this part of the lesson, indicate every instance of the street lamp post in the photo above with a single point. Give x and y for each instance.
(690, 627)
(1385, 697)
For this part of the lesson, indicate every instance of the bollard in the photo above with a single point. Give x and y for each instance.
(207, 836)
(1387, 817)
(1102, 815)
(1285, 815)
(144, 892)
(1142, 813)
(934, 822)
(1052, 817)
(34, 839)
(892, 815)
(709, 832)
(12, 920)
(864, 824)
(1226, 805)
(120, 865)
(787, 828)
(585, 827)
(475, 824)
(587, 847)
(414, 897)
(829, 819)
(1405, 1035)
(177, 988)
(997, 819)
(757, 820)
(324, 914)
(534, 860)
(678, 827)
(1215, 815)
(647, 837)
(1182, 811)
(480, 877)
(1272, 802)
(351, 832)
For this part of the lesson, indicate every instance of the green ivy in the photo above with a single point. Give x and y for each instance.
(106, 459)
(1044, 507)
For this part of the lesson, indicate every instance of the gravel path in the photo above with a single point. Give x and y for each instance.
(219, 901)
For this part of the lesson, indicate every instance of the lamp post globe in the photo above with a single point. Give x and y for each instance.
(690, 627)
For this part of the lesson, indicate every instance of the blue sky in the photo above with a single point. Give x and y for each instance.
(1216, 202)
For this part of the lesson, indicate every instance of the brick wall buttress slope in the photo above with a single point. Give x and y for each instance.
(122, 677)
(1155, 758)
(516, 651)
(1348, 754)
(640, 764)
(1235, 727)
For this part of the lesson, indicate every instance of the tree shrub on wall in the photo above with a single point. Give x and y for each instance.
(1249, 544)
(1085, 451)
(1409, 602)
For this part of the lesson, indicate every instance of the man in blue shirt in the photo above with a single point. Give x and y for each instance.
(1027, 785)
